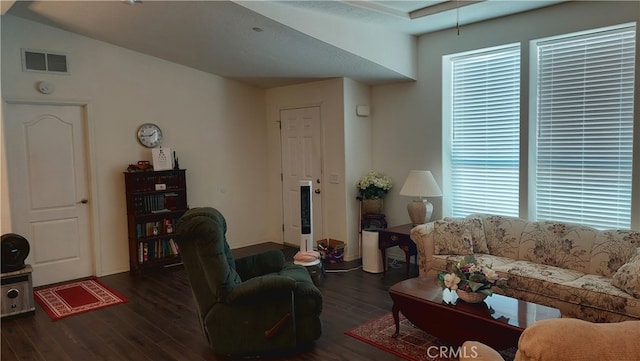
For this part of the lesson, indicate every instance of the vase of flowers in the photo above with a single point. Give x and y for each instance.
(372, 188)
(472, 280)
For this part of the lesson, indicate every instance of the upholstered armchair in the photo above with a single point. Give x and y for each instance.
(567, 339)
(250, 306)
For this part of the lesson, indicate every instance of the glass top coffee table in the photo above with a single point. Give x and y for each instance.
(497, 322)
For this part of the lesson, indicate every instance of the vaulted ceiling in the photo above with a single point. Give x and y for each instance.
(272, 43)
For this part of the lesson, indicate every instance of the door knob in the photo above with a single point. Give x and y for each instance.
(317, 191)
(84, 201)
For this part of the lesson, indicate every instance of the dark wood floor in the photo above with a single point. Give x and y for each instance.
(159, 322)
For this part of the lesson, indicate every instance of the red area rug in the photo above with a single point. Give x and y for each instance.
(76, 297)
(412, 344)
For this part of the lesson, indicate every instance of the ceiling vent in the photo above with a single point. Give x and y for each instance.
(44, 61)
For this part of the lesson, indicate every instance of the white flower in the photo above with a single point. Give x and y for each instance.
(473, 268)
(490, 274)
(376, 179)
(374, 185)
(451, 281)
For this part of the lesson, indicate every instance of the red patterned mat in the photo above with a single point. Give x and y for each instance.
(412, 344)
(76, 297)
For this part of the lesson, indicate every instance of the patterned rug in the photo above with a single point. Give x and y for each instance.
(412, 343)
(64, 300)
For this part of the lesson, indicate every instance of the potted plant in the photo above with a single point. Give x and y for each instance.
(372, 188)
(471, 280)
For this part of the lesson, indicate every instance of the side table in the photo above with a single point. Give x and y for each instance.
(397, 236)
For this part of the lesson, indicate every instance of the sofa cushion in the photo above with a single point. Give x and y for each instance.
(444, 263)
(546, 285)
(494, 261)
(535, 271)
(627, 277)
(570, 309)
(452, 237)
(503, 234)
(612, 249)
(478, 238)
(598, 292)
(557, 244)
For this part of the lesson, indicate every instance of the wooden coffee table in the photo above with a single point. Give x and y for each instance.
(497, 322)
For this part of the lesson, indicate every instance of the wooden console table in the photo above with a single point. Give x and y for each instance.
(397, 236)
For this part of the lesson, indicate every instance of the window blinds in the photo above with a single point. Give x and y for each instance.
(485, 142)
(584, 122)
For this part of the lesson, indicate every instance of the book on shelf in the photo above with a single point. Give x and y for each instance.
(156, 228)
(174, 247)
(157, 249)
(156, 203)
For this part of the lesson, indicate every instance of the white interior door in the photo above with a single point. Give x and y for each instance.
(301, 160)
(48, 186)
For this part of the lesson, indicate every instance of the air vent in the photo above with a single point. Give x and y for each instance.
(44, 61)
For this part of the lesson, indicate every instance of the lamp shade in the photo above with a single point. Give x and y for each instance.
(420, 183)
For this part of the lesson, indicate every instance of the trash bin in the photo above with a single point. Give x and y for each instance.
(371, 257)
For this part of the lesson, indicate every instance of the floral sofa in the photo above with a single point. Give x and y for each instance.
(585, 273)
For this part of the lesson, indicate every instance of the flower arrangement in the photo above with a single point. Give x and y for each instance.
(471, 276)
(374, 185)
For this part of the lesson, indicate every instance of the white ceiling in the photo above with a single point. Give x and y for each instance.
(233, 40)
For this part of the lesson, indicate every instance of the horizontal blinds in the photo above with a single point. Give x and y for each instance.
(486, 132)
(585, 89)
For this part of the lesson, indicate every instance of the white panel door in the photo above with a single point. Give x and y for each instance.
(301, 160)
(48, 188)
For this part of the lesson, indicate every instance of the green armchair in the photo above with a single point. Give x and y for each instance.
(250, 306)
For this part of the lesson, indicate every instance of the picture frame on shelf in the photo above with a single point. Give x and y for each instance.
(162, 158)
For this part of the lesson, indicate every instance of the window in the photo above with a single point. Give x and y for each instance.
(44, 61)
(482, 128)
(583, 128)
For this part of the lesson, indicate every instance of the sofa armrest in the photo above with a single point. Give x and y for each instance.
(477, 351)
(587, 341)
(261, 289)
(422, 235)
(260, 264)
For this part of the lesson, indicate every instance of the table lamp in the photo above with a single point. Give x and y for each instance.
(421, 184)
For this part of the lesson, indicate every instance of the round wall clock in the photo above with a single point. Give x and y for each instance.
(149, 135)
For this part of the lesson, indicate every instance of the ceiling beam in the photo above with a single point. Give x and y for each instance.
(441, 7)
(376, 6)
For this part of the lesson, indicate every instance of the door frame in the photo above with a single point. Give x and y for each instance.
(92, 219)
(322, 169)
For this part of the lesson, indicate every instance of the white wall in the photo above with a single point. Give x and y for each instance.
(216, 126)
(407, 131)
(346, 144)
(328, 95)
(358, 159)
(391, 49)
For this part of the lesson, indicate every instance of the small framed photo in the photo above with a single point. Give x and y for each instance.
(162, 159)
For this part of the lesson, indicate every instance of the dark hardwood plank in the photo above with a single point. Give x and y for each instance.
(160, 322)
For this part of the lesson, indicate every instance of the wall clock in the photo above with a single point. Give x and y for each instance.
(149, 135)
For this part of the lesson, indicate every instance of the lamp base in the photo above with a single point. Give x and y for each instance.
(420, 211)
